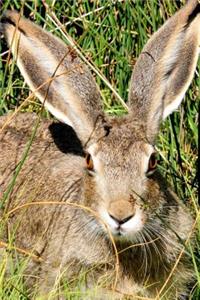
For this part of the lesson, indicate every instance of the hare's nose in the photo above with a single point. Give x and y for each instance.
(121, 221)
(121, 211)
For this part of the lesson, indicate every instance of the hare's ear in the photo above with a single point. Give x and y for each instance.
(55, 73)
(166, 67)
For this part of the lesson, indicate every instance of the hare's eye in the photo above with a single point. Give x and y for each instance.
(89, 162)
(152, 164)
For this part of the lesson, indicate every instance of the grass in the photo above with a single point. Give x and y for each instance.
(110, 35)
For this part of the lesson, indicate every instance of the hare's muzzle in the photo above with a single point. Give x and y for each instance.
(121, 211)
(123, 218)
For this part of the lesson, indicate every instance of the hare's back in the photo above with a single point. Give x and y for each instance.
(51, 172)
(52, 164)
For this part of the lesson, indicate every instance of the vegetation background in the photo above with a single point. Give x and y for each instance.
(110, 36)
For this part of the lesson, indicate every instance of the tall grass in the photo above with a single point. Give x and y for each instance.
(110, 35)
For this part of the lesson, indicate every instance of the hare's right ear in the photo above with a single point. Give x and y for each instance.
(55, 73)
(165, 68)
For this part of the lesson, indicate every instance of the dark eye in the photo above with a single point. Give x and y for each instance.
(89, 162)
(152, 164)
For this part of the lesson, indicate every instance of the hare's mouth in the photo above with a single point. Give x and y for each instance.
(126, 228)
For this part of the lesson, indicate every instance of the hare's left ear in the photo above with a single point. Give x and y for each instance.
(55, 74)
(166, 67)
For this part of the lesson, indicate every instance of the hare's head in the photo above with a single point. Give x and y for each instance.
(120, 153)
(120, 162)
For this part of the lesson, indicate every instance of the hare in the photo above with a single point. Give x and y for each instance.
(89, 199)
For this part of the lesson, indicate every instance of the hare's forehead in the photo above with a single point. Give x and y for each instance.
(120, 152)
